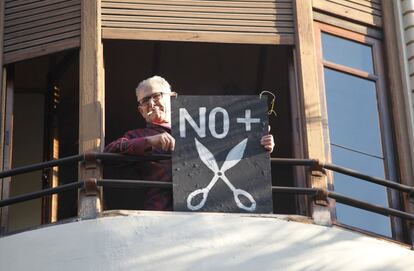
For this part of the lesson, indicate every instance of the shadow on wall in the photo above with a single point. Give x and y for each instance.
(158, 241)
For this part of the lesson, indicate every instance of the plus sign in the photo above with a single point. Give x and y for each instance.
(248, 120)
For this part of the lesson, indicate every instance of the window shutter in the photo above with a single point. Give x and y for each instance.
(364, 11)
(33, 28)
(238, 21)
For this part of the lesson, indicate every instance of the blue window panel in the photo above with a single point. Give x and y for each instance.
(347, 53)
(362, 190)
(353, 117)
(362, 219)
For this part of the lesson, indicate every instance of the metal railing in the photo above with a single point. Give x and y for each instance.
(311, 192)
(350, 172)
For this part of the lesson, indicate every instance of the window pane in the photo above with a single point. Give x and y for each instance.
(362, 190)
(348, 53)
(353, 112)
(362, 219)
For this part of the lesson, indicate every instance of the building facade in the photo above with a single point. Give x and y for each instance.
(341, 70)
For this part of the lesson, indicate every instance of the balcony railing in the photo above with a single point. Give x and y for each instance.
(315, 193)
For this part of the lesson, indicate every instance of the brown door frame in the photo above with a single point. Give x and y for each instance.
(6, 140)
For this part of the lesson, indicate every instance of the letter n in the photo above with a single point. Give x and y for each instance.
(185, 116)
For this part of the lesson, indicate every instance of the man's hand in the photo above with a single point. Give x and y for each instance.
(162, 141)
(267, 142)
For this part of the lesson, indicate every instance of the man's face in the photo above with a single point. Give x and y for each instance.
(156, 109)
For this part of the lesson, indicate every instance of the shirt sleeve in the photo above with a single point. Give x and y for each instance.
(128, 144)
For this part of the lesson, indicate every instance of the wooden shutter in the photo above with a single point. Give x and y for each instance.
(38, 27)
(238, 21)
(364, 11)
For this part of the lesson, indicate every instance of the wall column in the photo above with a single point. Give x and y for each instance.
(399, 53)
(306, 62)
(4, 210)
(91, 104)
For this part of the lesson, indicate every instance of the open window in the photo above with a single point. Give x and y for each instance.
(197, 69)
(41, 124)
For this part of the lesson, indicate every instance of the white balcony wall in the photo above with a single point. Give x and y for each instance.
(134, 240)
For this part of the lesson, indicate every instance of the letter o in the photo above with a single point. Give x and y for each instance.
(212, 122)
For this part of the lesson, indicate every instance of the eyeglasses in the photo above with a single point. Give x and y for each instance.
(155, 97)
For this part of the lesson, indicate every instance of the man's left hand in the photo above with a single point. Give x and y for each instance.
(268, 142)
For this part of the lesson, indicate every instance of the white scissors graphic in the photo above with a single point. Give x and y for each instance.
(233, 157)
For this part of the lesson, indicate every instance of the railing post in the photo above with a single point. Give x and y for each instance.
(306, 62)
(91, 104)
(320, 207)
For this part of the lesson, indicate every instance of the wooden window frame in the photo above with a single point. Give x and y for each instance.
(384, 111)
(6, 140)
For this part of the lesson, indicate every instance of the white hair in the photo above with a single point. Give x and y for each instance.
(153, 82)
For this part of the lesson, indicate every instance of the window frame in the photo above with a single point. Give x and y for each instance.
(384, 114)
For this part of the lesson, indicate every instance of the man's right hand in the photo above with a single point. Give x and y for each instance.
(162, 141)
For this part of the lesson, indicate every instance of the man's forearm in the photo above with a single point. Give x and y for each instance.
(134, 146)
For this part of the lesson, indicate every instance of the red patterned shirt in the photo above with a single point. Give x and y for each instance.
(133, 143)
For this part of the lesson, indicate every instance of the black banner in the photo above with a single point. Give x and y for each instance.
(219, 164)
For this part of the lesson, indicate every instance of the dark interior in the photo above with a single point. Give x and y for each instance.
(196, 69)
(54, 81)
(190, 68)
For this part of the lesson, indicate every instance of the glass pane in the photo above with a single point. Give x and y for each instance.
(362, 190)
(347, 52)
(353, 112)
(362, 219)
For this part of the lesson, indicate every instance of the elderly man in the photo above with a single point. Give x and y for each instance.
(154, 105)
